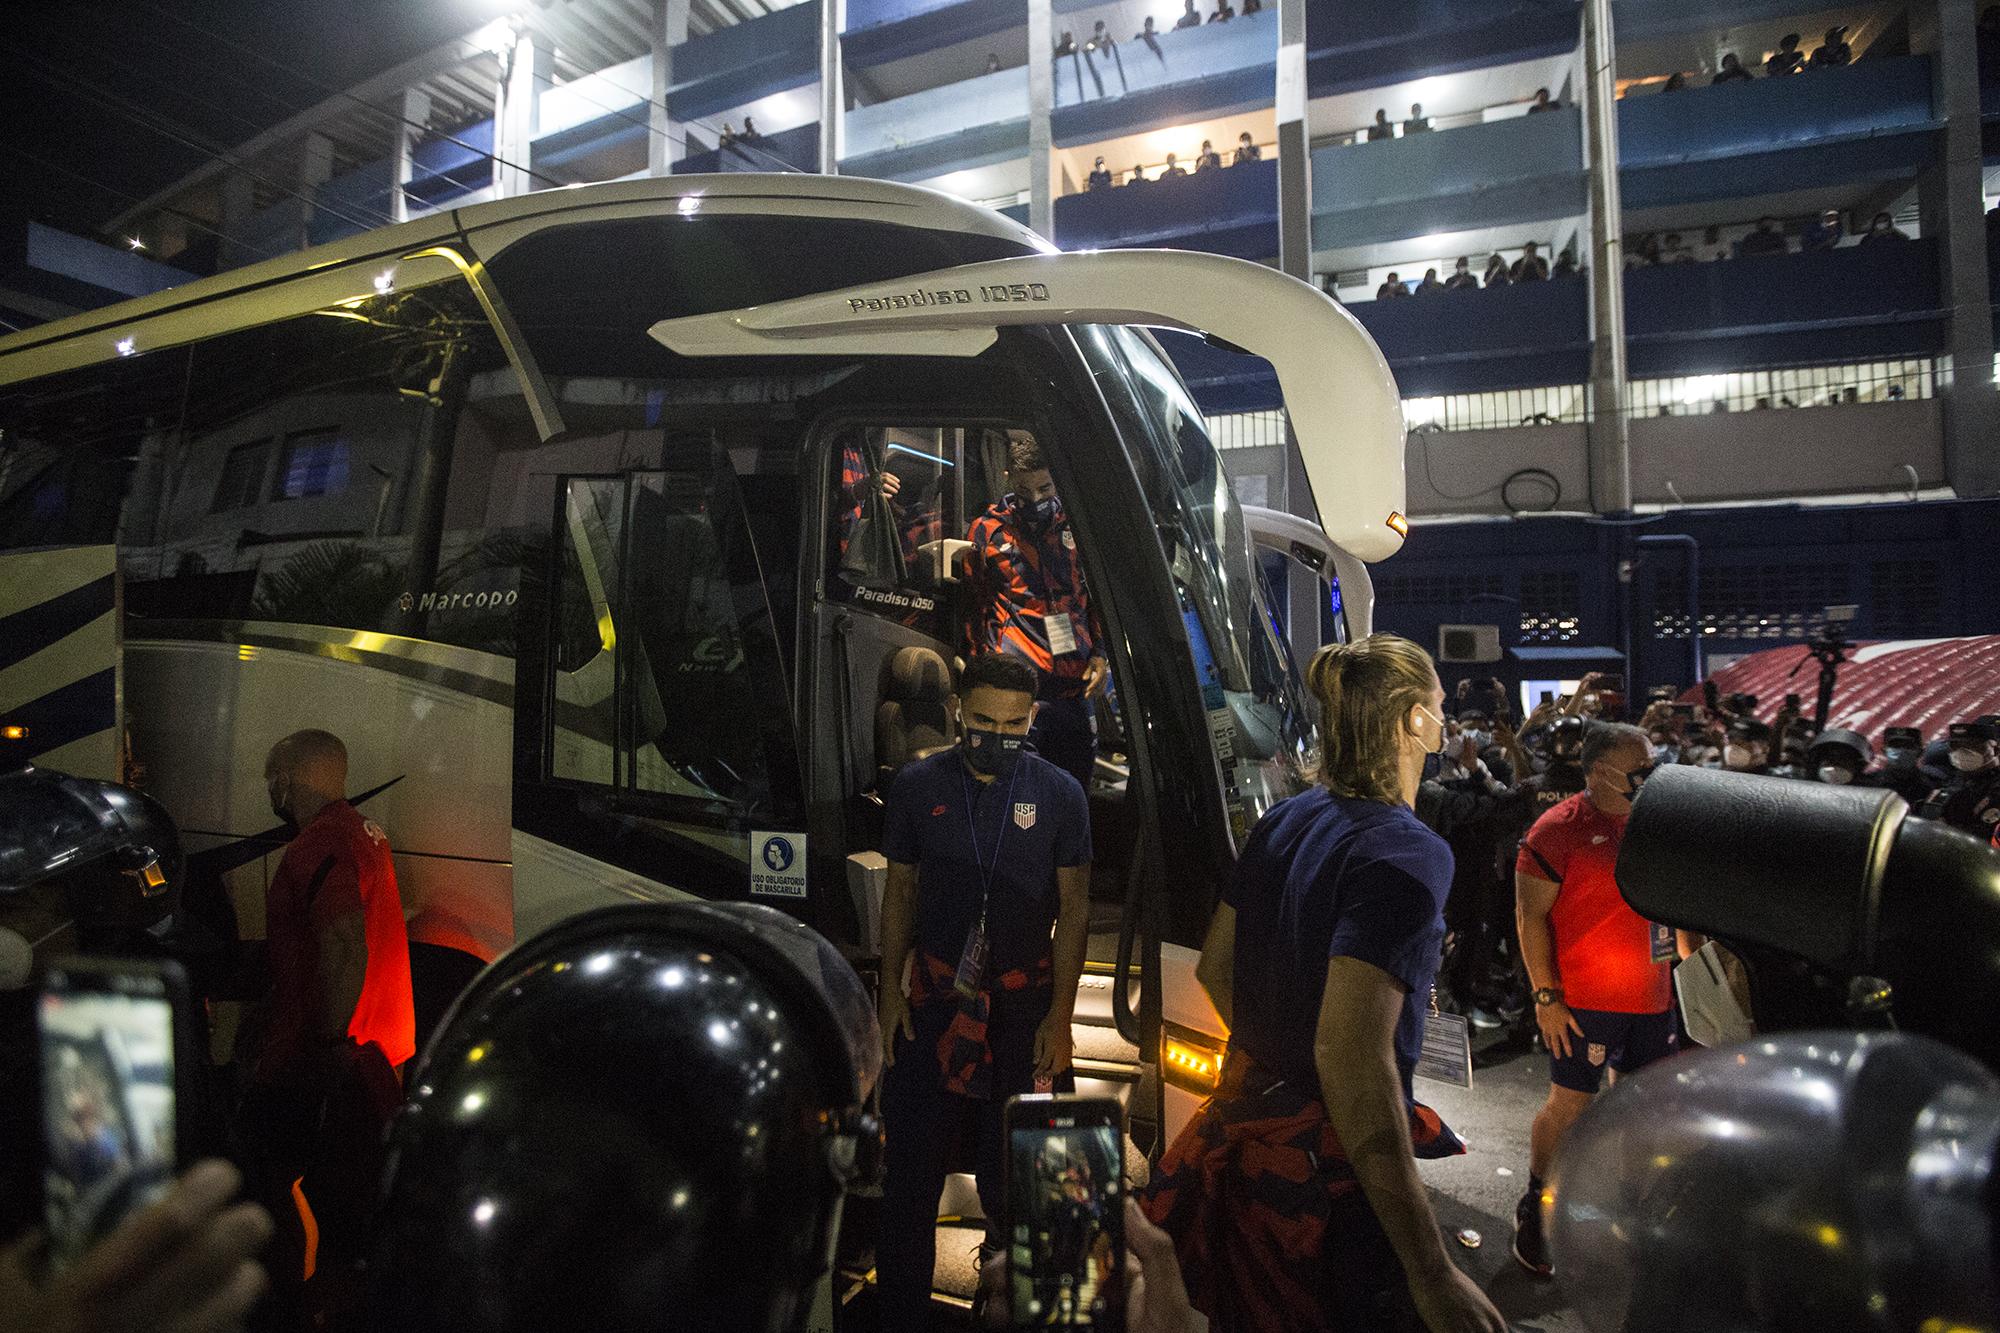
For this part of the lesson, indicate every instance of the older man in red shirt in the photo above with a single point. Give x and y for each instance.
(1603, 975)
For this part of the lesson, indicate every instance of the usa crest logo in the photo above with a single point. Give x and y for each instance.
(1024, 814)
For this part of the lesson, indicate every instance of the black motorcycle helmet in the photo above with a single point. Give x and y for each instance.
(645, 1117)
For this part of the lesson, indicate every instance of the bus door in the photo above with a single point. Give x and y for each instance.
(1232, 700)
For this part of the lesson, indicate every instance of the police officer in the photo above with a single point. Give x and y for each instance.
(988, 905)
(1902, 750)
(1971, 800)
(1030, 602)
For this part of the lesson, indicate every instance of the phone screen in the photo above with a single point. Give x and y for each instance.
(1066, 1202)
(108, 1104)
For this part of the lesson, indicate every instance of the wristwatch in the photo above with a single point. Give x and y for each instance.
(1549, 995)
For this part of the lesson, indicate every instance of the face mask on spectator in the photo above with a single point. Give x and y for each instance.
(1898, 756)
(1479, 737)
(1967, 760)
(1837, 774)
(1737, 756)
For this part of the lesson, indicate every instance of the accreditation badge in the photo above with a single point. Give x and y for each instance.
(972, 963)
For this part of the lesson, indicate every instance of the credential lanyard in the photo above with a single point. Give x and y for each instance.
(987, 869)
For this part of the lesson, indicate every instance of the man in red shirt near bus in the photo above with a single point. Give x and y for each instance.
(1029, 601)
(1602, 973)
(339, 951)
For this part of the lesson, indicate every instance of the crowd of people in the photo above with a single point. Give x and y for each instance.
(1826, 230)
(1208, 159)
(1787, 60)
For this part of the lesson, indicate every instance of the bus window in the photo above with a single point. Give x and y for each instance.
(72, 446)
(891, 504)
(1258, 722)
(334, 471)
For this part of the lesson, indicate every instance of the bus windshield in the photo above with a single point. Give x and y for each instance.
(1258, 710)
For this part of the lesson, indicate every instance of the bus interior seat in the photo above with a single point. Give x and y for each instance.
(913, 720)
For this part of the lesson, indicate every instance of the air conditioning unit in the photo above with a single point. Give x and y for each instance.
(1468, 643)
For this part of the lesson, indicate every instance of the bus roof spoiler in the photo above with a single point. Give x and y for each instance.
(1342, 400)
(1306, 543)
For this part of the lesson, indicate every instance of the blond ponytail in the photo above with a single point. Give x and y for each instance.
(1365, 691)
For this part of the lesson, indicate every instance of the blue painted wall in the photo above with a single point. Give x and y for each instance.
(1914, 570)
(1866, 121)
(1523, 169)
(1858, 303)
(739, 64)
(797, 148)
(1229, 211)
(1352, 46)
(444, 168)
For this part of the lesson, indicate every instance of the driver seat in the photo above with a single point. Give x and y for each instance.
(913, 721)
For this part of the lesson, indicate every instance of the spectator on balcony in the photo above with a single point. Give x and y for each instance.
(1430, 285)
(1496, 272)
(1883, 228)
(1252, 7)
(1732, 71)
(1100, 179)
(1100, 39)
(1786, 60)
(1642, 250)
(1190, 17)
(1543, 102)
(1418, 121)
(1391, 288)
(1766, 240)
(1676, 81)
(751, 134)
(1381, 129)
(1223, 12)
(1138, 176)
(993, 61)
(727, 139)
(1174, 169)
(1150, 35)
(1672, 251)
(1247, 150)
(1566, 265)
(1461, 276)
(1530, 267)
(1834, 51)
(1713, 247)
(1067, 46)
(1824, 233)
(1209, 157)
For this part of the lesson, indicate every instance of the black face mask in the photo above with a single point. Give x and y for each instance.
(1037, 514)
(1637, 779)
(993, 753)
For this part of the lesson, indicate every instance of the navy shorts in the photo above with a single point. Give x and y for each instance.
(1625, 1042)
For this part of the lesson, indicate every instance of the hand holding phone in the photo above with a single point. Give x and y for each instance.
(117, 1056)
(1064, 1226)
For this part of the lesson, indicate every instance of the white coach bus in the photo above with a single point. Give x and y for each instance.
(546, 508)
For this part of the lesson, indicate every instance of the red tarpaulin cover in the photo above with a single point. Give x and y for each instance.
(1924, 683)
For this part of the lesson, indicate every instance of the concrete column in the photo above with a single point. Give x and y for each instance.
(1302, 594)
(1610, 440)
(1041, 101)
(1952, 210)
(315, 169)
(832, 86)
(416, 110)
(665, 146)
(530, 68)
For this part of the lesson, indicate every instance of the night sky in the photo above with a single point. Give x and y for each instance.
(100, 98)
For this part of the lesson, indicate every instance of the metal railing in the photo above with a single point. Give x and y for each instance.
(1563, 404)
(1785, 387)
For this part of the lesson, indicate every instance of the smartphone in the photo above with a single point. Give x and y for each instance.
(1065, 1214)
(1548, 697)
(118, 1056)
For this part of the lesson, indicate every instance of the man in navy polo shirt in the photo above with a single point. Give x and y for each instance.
(988, 905)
